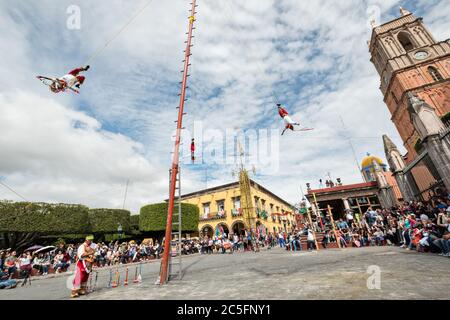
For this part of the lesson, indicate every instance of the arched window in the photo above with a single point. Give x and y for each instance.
(435, 74)
(405, 41)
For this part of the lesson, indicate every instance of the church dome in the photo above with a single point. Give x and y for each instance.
(368, 161)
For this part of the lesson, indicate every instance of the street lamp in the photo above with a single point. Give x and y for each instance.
(119, 230)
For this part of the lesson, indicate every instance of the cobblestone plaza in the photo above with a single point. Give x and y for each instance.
(275, 274)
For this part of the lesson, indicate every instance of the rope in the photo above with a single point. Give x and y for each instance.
(101, 49)
(12, 190)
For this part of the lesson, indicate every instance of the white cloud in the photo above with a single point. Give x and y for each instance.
(53, 153)
(84, 147)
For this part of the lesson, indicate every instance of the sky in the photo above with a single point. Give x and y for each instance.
(310, 56)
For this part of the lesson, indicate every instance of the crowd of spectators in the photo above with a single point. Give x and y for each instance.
(420, 226)
(62, 257)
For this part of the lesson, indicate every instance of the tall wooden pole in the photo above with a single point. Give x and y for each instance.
(334, 227)
(163, 277)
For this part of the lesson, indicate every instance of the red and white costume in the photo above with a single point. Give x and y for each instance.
(287, 119)
(81, 270)
(193, 150)
(73, 77)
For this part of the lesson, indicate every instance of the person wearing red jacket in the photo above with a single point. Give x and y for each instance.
(287, 119)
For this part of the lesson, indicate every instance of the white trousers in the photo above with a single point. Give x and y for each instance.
(288, 120)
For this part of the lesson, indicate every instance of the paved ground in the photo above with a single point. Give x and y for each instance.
(277, 274)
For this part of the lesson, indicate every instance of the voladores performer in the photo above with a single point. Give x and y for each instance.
(85, 259)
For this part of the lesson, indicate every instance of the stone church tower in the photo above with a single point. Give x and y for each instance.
(433, 134)
(387, 196)
(397, 165)
(409, 59)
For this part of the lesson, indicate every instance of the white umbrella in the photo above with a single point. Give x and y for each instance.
(45, 249)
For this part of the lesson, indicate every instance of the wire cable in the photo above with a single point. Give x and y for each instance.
(101, 49)
(13, 191)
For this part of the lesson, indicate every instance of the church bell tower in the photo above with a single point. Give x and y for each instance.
(409, 59)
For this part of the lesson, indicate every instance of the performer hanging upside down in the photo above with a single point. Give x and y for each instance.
(72, 79)
(193, 150)
(85, 255)
(287, 119)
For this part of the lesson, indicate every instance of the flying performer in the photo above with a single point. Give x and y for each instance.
(68, 81)
(288, 120)
(193, 150)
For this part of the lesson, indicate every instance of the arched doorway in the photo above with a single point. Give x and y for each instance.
(207, 230)
(238, 228)
(222, 229)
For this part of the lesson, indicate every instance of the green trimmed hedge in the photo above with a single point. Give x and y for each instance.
(107, 220)
(134, 222)
(43, 217)
(153, 217)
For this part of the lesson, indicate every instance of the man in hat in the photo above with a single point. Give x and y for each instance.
(85, 254)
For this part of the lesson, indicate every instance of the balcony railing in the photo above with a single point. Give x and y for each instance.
(214, 216)
(236, 212)
(278, 217)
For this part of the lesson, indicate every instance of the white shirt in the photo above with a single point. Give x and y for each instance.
(81, 250)
(310, 235)
(69, 79)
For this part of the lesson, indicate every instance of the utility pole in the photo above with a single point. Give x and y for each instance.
(163, 277)
(353, 149)
(125, 196)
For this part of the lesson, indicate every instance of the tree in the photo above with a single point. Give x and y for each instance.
(23, 222)
(107, 221)
(153, 217)
(134, 222)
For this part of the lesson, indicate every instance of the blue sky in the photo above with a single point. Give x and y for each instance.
(313, 55)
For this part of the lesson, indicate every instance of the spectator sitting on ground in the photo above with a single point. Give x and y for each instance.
(379, 236)
(10, 263)
(59, 263)
(5, 281)
(25, 265)
(342, 224)
(41, 263)
(443, 242)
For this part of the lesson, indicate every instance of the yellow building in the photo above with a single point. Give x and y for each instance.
(221, 210)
